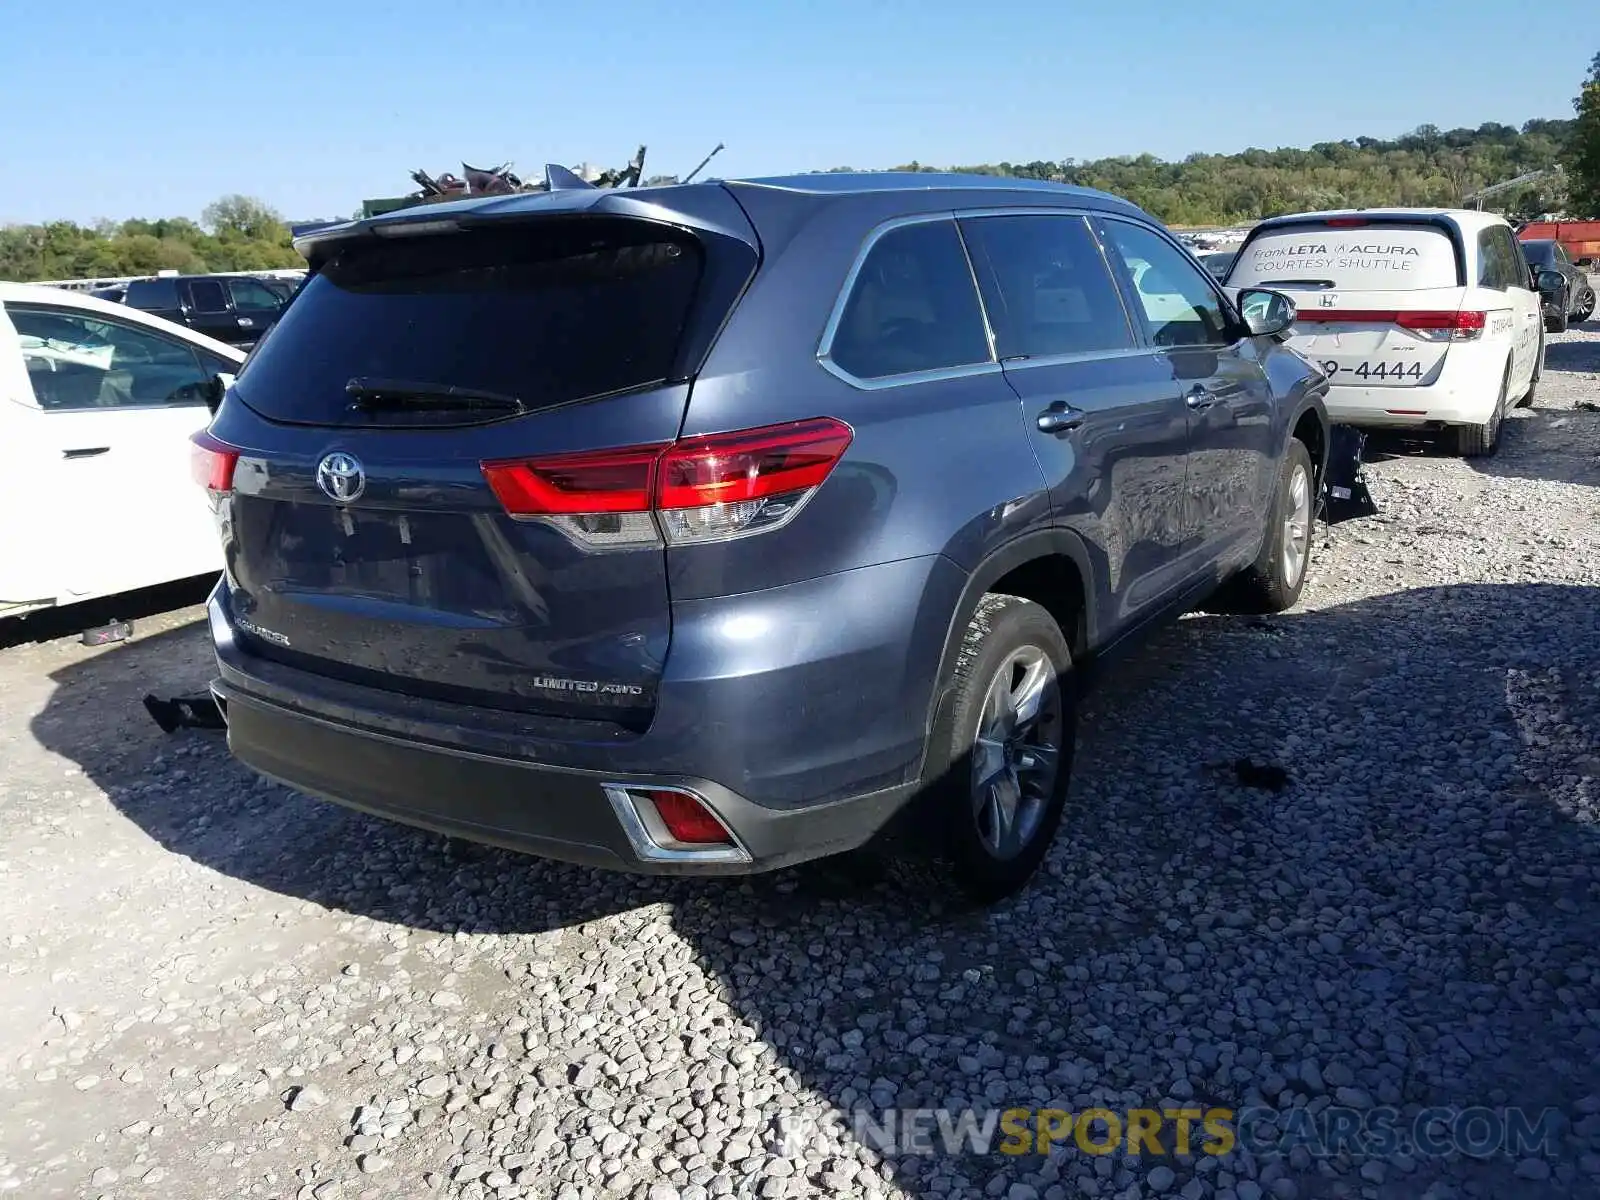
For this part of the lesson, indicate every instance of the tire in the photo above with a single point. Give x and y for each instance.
(1556, 324)
(1275, 580)
(1012, 647)
(1585, 307)
(1480, 441)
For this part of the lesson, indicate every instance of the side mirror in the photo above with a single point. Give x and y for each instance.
(1266, 313)
(1549, 281)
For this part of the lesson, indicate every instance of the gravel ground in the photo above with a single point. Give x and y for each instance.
(214, 987)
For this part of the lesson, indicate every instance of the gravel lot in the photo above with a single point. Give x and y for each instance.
(214, 987)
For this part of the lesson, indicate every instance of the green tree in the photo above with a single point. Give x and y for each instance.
(1582, 159)
(242, 218)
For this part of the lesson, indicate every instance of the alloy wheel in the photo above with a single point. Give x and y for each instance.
(1297, 526)
(1017, 752)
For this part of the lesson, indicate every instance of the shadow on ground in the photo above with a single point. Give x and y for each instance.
(1436, 738)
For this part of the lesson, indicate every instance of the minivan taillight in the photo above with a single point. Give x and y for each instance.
(1459, 326)
(212, 462)
(1433, 324)
(700, 489)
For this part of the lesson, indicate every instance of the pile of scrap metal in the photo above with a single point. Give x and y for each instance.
(501, 181)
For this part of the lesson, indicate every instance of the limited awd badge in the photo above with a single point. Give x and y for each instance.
(340, 477)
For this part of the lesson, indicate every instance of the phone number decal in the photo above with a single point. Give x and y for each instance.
(1374, 370)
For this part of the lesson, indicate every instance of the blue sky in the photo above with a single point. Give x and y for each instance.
(154, 108)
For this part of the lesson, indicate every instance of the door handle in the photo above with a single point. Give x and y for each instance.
(1198, 398)
(84, 451)
(1060, 417)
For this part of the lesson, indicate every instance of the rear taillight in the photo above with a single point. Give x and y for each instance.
(212, 462)
(1346, 222)
(1433, 324)
(702, 489)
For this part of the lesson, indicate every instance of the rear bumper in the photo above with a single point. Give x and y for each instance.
(535, 808)
(804, 741)
(1459, 398)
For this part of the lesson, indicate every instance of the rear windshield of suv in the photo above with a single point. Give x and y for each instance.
(1371, 258)
(548, 313)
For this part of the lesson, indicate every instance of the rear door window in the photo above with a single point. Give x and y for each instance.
(1516, 266)
(207, 296)
(549, 313)
(1496, 267)
(81, 361)
(248, 293)
(152, 293)
(1379, 257)
(1046, 287)
(912, 307)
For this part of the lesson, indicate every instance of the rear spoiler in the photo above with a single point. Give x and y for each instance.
(296, 232)
(1320, 221)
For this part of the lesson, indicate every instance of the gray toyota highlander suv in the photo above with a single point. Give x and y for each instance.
(720, 526)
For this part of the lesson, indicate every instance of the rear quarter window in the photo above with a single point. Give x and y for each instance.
(1374, 258)
(913, 307)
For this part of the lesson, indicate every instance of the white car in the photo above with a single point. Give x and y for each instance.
(1420, 318)
(97, 404)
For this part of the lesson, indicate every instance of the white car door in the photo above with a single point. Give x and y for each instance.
(28, 575)
(1529, 314)
(116, 405)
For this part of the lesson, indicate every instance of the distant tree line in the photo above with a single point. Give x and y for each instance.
(1427, 166)
(235, 233)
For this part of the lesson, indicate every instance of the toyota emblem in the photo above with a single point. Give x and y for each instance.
(340, 476)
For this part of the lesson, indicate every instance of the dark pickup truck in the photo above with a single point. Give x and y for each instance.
(236, 309)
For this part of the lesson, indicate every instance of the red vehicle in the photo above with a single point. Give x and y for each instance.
(1580, 239)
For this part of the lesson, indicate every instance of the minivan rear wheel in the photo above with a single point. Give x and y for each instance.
(1478, 441)
(1005, 755)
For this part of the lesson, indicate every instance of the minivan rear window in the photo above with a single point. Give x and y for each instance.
(1380, 257)
(546, 312)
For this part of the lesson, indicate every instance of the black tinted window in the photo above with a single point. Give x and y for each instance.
(1539, 254)
(1046, 287)
(152, 293)
(1180, 305)
(249, 293)
(913, 307)
(548, 313)
(207, 296)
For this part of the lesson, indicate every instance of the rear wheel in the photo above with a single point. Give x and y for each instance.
(1274, 581)
(1006, 754)
(1478, 441)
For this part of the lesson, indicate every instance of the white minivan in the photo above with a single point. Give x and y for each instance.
(97, 405)
(1421, 318)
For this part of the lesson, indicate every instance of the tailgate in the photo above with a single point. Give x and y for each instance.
(363, 538)
(1377, 295)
